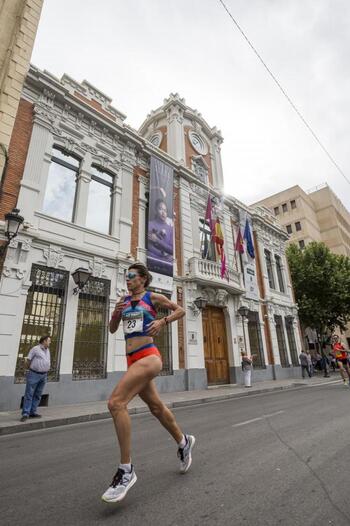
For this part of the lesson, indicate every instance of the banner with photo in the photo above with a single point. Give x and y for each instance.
(248, 258)
(160, 233)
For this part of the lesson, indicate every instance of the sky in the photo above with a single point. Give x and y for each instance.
(139, 51)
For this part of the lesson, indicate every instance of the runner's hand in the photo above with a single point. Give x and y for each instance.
(155, 327)
(118, 308)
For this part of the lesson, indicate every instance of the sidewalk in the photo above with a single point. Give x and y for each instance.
(89, 411)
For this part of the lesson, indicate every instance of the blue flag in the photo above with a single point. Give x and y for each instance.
(248, 237)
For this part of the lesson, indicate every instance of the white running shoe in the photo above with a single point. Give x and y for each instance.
(120, 485)
(185, 455)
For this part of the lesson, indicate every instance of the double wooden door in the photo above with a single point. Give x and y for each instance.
(215, 346)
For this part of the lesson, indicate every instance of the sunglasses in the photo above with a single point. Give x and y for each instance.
(131, 275)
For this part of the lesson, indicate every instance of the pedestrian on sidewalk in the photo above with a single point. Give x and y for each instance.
(305, 363)
(38, 363)
(247, 366)
(309, 364)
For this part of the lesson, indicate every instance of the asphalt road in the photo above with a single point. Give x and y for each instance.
(275, 459)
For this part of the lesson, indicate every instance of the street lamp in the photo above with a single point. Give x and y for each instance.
(12, 223)
(244, 312)
(81, 277)
(198, 305)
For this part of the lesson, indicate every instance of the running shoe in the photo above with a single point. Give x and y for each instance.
(120, 485)
(184, 454)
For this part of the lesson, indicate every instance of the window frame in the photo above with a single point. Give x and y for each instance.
(110, 185)
(202, 232)
(68, 166)
(284, 208)
(279, 271)
(293, 204)
(269, 266)
(301, 244)
(276, 210)
(297, 225)
(291, 229)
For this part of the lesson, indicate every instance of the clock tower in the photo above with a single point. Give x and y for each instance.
(183, 133)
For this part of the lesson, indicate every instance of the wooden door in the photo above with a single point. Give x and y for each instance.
(215, 346)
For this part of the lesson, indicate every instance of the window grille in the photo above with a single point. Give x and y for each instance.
(91, 334)
(44, 314)
(255, 340)
(281, 342)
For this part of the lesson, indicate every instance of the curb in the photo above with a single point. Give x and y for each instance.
(57, 422)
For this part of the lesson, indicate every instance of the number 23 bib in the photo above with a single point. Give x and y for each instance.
(133, 322)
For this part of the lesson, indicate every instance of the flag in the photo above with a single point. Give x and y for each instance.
(248, 237)
(219, 245)
(209, 215)
(239, 242)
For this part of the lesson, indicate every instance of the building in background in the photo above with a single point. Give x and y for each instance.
(316, 215)
(82, 182)
(18, 26)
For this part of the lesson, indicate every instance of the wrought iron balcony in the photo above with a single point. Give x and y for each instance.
(208, 272)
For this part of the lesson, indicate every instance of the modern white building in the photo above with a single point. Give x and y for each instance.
(84, 196)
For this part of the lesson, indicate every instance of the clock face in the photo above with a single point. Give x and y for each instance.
(198, 143)
(156, 138)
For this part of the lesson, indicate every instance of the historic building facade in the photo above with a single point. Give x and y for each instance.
(83, 189)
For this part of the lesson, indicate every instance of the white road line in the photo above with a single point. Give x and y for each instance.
(257, 419)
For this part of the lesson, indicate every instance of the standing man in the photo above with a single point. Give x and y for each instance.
(305, 364)
(247, 366)
(38, 363)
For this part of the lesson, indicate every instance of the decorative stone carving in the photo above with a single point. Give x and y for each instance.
(53, 256)
(97, 267)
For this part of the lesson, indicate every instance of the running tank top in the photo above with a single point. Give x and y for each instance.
(137, 315)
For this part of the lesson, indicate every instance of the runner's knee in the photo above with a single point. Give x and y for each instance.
(116, 404)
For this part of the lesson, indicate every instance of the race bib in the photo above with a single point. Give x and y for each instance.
(133, 322)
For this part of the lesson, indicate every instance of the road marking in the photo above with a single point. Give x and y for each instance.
(239, 424)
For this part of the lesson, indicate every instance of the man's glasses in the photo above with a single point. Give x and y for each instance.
(131, 275)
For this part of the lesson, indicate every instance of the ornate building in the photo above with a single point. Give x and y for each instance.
(83, 191)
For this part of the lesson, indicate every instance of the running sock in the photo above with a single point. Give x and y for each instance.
(183, 442)
(126, 467)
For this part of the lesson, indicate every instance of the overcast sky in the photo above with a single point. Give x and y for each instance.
(138, 51)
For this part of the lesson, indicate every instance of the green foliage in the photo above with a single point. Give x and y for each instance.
(321, 282)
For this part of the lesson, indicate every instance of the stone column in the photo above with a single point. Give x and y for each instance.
(82, 191)
(176, 137)
(218, 172)
(141, 248)
(33, 184)
(116, 205)
(126, 175)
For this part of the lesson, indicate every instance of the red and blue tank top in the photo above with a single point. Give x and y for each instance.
(137, 315)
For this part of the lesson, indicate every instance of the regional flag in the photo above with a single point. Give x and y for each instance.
(239, 246)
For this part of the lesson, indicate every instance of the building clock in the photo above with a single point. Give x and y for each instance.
(198, 143)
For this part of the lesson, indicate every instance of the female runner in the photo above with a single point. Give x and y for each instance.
(138, 313)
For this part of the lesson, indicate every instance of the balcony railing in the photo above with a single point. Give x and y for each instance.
(209, 271)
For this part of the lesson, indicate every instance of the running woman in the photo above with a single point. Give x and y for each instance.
(138, 313)
(341, 356)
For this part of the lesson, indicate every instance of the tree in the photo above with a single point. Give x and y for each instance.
(321, 282)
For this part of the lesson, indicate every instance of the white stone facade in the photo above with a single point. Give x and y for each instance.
(80, 120)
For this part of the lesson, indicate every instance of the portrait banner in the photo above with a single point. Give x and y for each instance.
(160, 232)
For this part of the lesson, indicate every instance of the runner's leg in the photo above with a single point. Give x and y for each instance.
(134, 380)
(150, 396)
(342, 371)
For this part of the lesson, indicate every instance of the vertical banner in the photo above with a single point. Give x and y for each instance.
(248, 258)
(160, 235)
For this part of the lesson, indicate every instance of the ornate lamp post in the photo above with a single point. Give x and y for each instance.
(81, 277)
(12, 223)
(244, 312)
